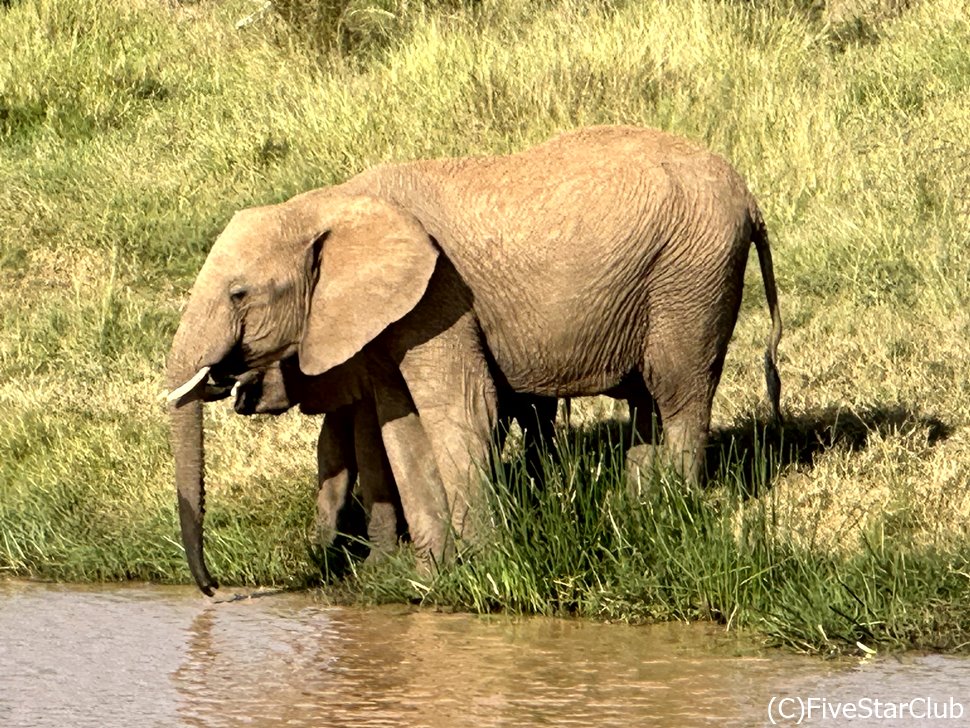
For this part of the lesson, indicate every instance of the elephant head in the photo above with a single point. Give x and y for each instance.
(317, 277)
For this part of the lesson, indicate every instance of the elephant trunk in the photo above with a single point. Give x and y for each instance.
(188, 447)
(204, 338)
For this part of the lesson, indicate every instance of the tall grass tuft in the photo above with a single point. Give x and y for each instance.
(590, 542)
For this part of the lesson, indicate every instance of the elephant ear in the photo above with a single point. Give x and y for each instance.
(369, 269)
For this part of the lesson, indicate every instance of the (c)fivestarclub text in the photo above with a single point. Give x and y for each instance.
(798, 710)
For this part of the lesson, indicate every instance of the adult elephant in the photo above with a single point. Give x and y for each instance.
(608, 260)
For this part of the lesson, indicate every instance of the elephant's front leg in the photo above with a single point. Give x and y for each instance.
(377, 487)
(450, 384)
(340, 521)
(412, 462)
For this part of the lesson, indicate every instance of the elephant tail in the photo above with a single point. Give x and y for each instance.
(759, 236)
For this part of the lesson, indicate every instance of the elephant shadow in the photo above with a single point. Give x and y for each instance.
(756, 451)
(751, 452)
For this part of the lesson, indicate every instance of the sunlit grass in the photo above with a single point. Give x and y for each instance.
(586, 544)
(130, 132)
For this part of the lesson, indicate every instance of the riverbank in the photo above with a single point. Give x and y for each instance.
(130, 134)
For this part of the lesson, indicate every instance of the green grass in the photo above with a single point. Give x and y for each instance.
(587, 545)
(130, 132)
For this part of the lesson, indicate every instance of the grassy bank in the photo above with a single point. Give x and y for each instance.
(586, 545)
(130, 132)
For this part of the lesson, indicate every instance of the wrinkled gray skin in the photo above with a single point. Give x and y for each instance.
(608, 260)
(350, 449)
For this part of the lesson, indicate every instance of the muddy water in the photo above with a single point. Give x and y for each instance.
(153, 656)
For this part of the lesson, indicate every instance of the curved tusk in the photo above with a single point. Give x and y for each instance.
(177, 394)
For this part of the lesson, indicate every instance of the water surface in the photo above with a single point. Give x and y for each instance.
(166, 656)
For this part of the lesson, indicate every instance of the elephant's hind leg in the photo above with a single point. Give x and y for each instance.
(642, 438)
(536, 416)
(644, 417)
(685, 441)
(682, 446)
(683, 389)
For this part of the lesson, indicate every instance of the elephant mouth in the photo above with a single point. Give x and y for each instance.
(245, 389)
(236, 376)
(221, 383)
(236, 369)
(247, 392)
(215, 391)
(214, 382)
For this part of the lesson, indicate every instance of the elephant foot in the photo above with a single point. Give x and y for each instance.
(433, 556)
(336, 547)
(382, 531)
(646, 464)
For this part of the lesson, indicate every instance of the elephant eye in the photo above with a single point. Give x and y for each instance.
(237, 293)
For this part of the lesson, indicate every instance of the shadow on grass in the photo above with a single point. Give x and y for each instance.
(753, 451)
(757, 450)
(564, 504)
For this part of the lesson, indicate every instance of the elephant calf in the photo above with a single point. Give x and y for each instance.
(350, 448)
